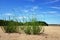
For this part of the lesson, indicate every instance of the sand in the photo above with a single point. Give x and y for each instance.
(50, 33)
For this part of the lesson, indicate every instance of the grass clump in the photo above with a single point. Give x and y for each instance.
(11, 27)
(27, 30)
(31, 27)
(34, 28)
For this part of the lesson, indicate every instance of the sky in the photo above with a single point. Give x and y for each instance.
(42, 10)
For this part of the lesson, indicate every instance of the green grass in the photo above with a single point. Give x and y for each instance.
(11, 27)
(31, 27)
(34, 28)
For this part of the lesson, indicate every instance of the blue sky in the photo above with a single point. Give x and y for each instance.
(43, 10)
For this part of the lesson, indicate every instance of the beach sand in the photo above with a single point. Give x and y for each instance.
(50, 33)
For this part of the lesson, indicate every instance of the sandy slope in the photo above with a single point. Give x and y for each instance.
(51, 33)
(1, 30)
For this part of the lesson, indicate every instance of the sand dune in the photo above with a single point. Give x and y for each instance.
(51, 33)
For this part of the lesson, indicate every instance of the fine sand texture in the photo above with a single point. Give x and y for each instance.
(50, 33)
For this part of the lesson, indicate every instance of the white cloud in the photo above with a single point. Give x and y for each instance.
(8, 14)
(52, 1)
(31, 9)
(56, 7)
(25, 11)
(34, 8)
(50, 12)
(41, 15)
(30, 0)
(21, 17)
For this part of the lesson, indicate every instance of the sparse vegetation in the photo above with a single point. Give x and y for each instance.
(34, 28)
(11, 26)
(31, 27)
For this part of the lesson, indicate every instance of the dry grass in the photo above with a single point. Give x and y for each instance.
(51, 33)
